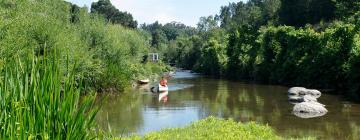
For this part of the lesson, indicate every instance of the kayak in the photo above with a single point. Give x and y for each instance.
(159, 88)
(163, 88)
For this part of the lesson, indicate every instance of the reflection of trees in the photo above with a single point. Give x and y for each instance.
(243, 102)
(123, 114)
(269, 105)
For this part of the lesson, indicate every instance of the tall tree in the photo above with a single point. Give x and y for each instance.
(300, 12)
(105, 8)
(207, 23)
(346, 8)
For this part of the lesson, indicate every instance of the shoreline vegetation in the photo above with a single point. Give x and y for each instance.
(52, 54)
(215, 128)
(53, 51)
(281, 42)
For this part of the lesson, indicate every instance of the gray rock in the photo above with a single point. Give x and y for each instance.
(313, 92)
(296, 90)
(301, 91)
(309, 98)
(309, 107)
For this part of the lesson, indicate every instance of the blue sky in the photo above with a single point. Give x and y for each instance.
(164, 11)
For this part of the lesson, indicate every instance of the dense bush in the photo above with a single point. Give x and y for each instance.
(103, 52)
(296, 57)
(285, 55)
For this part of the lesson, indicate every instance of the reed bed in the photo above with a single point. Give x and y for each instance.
(38, 100)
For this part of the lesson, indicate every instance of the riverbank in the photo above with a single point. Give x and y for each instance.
(215, 128)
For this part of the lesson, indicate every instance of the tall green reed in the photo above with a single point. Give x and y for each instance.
(40, 101)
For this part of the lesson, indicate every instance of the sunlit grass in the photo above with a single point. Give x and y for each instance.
(38, 101)
(215, 129)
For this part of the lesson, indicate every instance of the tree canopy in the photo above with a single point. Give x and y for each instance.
(112, 14)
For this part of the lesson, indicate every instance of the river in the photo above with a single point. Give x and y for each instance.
(193, 97)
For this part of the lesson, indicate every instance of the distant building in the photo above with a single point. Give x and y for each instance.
(154, 57)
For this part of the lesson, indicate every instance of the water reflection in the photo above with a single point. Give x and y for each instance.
(163, 96)
(141, 112)
(308, 115)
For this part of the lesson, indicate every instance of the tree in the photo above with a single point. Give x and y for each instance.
(346, 8)
(300, 12)
(207, 23)
(113, 15)
(270, 10)
(225, 17)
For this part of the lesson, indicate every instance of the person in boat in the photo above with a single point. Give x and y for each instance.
(162, 84)
(163, 81)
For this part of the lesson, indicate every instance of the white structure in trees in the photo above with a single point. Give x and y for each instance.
(153, 57)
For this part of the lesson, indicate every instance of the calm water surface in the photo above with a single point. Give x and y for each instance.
(193, 97)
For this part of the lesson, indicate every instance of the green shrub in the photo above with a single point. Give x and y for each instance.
(103, 52)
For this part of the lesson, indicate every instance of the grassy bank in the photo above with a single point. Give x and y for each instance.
(214, 128)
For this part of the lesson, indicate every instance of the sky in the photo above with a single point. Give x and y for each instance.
(164, 11)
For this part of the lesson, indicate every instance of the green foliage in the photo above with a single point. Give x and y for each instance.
(254, 13)
(162, 35)
(206, 24)
(102, 51)
(113, 15)
(347, 8)
(323, 55)
(213, 128)
(297, 57)
(38, 102)
(242, 50)
(213, 59)
(301, 12)
(208, 55)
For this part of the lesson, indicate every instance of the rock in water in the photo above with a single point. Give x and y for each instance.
(301, 91)
(310, 107)
(308, 98)
(296, 90)
(313, 92)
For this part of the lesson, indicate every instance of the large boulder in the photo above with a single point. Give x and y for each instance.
(310, 107)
